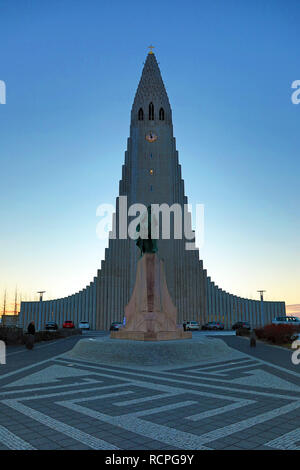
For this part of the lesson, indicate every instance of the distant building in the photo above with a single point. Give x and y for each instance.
(9, 320)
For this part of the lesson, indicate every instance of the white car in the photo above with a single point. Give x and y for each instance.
(286, 321)
(84, 325)
(192, 325)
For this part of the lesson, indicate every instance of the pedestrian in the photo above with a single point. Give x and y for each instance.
(252, 339)
(30, 335)
(31, 328)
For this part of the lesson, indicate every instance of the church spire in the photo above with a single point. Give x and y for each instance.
(151, 91)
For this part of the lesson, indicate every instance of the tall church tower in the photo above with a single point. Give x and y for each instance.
(151, 174)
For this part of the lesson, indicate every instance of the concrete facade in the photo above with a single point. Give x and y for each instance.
(151, 174)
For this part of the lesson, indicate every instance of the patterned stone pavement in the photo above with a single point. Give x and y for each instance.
(242, 403)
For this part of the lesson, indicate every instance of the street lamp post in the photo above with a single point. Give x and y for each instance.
(41, 292)
(262, 305)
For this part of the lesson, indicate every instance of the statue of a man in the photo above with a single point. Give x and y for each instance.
(146, 245)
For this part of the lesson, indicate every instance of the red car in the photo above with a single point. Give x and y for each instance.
(68, 324)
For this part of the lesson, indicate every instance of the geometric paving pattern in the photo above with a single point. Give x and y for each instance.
(237, 404)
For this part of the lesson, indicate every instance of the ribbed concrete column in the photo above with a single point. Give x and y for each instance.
(253, 313)
(105, 304)
(66, 308)
(227, 323)
(61, 311)
(46, 314)
(84, 310)
(23, 314)
(28, 310)
(49, 318)
(216, 310)
(101, 299)
(56, 316)
(240, 307)
(224, 308)
(91, 304)
(79, 306)
(259, 316)
(236, 308)
(76, 308)
(255, 319)
(221, 308)
(88, 303)
(249, 311)
(31, 312)
(213, 304)
(219, 297)
(72, 308)
(243, 309)
(208, 299)
(229, 312)
(94, 303)
(274, 310)
(218, 304)
(56, 312)
(69, 309)
(269, 316)
(36, 314)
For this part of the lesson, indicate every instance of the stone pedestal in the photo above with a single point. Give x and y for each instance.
(150, 314)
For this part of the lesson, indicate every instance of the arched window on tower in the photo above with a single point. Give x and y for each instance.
(161, 114)
(141, 114)
(151, 112)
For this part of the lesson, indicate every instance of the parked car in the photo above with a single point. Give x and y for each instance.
(192, 325)
(286, 321)
(115, 326)
(241, 324)
(213, 325)
(84, 325)
(68, 324)
(51, 325)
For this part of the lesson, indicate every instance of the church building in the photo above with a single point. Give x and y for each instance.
(151, 174)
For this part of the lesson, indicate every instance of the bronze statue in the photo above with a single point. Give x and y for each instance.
(146, 245)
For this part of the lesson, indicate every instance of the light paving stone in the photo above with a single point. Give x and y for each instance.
(152, 410)
(12, 441)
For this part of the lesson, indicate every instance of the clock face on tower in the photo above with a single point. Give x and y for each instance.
(151, 137)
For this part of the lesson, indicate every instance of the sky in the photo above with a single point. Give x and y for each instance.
(71, 69)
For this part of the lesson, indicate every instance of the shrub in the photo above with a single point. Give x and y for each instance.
(276, 334)
(259, 332)
(14, 336)
(11, 335)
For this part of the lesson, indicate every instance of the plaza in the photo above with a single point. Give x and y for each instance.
(50, 400)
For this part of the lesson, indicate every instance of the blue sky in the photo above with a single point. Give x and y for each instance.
(71, 70)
